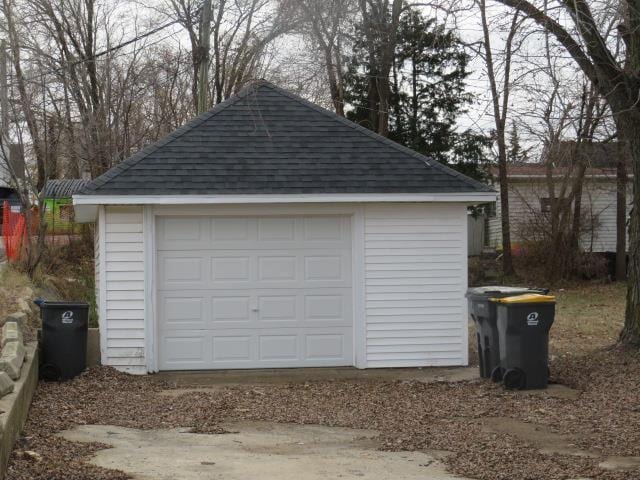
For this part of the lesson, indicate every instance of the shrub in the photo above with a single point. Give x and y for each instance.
(69, 270)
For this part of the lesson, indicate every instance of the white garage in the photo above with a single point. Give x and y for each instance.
(299, 240)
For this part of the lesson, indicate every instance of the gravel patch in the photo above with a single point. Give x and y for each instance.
(605, 418)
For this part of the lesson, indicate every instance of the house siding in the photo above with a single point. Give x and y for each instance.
(124, 290)
(415, 281)
(598, 204)
(96, 260)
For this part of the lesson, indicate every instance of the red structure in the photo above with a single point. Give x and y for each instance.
(13, 232)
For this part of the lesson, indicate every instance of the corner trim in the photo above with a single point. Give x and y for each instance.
(148, 247)
(465, 285)
(102, 292)
(359, 289)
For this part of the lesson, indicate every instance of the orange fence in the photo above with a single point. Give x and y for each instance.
(13, 232)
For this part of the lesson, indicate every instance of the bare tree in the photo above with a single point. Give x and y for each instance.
(500, 97)
(24, 182)
(615, 74)
(241, 31)
(327, 22)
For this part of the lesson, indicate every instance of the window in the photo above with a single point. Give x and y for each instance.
(545, 203)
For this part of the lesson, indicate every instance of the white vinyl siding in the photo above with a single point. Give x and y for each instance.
(125, 296)
(415, 281)
(598, 207)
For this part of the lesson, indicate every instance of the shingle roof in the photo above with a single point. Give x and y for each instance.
(266, 140)
(64, 188)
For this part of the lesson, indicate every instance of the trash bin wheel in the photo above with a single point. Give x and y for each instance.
(514, 379)
(496, 374)
(50, 373)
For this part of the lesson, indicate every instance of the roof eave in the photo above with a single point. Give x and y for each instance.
(86, 205)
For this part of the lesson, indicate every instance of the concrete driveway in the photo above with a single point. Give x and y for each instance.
(263, 450)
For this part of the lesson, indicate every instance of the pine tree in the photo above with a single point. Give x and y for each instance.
(427, 93)
(515, 153)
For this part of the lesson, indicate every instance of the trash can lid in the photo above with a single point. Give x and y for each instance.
(503, 289)
(527, 298)
(63, 304)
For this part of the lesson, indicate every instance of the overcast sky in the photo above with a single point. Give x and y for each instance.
(467, 24)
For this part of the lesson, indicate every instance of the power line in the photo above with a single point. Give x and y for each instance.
(103, 53)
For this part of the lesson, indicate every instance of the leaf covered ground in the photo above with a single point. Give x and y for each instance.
(603, 419)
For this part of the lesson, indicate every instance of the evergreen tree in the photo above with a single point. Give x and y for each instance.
(515, 152)
(427, 93)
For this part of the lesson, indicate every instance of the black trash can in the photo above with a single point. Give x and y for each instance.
(483, 313)
(524, 322)
(64, 339)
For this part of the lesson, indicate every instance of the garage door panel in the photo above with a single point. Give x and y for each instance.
(278, 307)
(326, 229)
(326, 307)
(277, 268)
(231, 309)
(324, 267)
(224, 269)
(179, 271)
(232, 349)
(184, 352)
(278, 347)
(182, 230)
(327, 346)
(230, 229)
(255, 293)
(276, 229)
(178, 313)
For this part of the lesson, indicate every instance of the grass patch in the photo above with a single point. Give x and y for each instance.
(588, 318)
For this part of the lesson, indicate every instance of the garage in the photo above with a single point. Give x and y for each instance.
(254, 292)
(270, 233)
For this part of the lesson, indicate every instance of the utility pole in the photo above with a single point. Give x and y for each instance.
(4, 115)
(203, 70)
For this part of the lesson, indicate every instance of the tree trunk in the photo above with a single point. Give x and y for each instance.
(629, 129)
(334, 87)
(621, 216)
(507, 259)
(384, 88)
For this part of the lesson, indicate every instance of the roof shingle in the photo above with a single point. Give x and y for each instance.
(64, 188)
(266, 140)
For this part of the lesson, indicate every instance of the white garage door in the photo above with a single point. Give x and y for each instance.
(254, 292)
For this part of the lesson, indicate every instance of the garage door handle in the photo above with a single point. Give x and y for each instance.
(255, 309)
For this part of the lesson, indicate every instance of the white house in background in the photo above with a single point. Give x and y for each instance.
(529, 199)
(269, 232)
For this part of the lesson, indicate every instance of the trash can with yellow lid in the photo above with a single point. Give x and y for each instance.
(524, 322)
(483, 313)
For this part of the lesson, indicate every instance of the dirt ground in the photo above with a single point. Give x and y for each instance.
(12, 283)
(493, 434)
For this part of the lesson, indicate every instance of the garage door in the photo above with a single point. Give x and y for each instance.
(254, 292)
